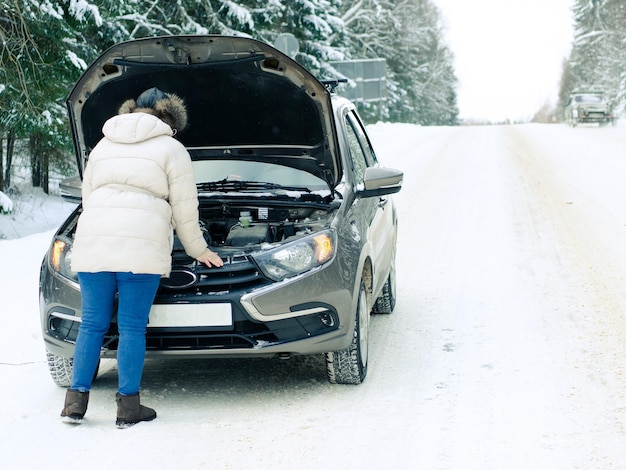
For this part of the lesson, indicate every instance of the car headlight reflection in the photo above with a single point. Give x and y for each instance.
(61, 259)
(298, 257)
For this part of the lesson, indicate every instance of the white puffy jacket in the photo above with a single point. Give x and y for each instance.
(138, 185)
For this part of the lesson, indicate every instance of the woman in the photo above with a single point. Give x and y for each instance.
(138, 185)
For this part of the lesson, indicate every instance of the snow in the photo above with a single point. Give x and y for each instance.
(242, 14)
(6, 205)
(31, 211)
(80, 9)
(46, 7)
(506, 348)
(79, 63)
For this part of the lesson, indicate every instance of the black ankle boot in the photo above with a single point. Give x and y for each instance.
(130, 411)
(75, 406)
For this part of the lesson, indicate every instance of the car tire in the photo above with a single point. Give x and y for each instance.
(349, 366)
(60, 369)
(387, 300)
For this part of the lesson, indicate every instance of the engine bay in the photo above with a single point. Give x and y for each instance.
(246, 227)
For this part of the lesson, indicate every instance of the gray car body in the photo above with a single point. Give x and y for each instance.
(251, 105)
(588, 107)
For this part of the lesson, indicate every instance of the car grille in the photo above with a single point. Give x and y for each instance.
(245, 334)
(188, 274)
(194, 341)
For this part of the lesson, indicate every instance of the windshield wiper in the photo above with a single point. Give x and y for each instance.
(238, 185)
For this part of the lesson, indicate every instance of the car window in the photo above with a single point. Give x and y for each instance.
(589, 99)
(357, 156)
(368, 151)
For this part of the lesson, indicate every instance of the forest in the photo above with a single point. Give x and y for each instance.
(598, 56)
(46, 45)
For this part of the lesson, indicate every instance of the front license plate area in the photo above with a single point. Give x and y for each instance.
(190, 315)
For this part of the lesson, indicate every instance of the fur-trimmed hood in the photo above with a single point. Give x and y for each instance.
(168, 107)
(132, 128)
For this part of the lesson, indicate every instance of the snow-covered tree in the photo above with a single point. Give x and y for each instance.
(46, 44)
(39, 59)
(421, 83)
(599, 51)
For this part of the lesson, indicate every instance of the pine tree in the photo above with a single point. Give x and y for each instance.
(47, 44)
(421, 83)
(598, 54)
(37, 65)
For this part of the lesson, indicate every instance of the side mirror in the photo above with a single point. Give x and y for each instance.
(379, 181)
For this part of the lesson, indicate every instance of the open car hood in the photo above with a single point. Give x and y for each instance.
(245, 100)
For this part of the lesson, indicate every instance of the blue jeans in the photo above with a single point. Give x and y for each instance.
(135, 296)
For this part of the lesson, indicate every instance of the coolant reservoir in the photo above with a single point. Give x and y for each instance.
(245, 218)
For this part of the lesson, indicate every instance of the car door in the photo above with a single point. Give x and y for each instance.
(379, 210)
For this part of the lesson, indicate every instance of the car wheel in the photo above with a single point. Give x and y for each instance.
(387, 300)
(61, 369)
(349, 366)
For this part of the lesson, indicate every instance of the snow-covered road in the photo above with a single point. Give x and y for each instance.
(512, 241)
(506, 349)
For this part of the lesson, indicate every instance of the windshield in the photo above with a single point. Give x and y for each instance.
(237, 170)
(589, 99)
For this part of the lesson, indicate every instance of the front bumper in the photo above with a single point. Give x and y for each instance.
(298, 317)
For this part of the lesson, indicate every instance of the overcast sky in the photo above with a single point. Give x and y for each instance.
(508, 54)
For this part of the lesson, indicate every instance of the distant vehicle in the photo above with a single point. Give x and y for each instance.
(70, 189)
(292, 197)
(588, 107)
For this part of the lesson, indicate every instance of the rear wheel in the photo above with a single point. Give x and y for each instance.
(387, 300)
(349, 366)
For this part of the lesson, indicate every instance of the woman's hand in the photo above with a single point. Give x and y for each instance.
(211, 259)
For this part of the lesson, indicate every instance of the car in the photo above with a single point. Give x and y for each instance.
(292, 197)
(588, 107)
(70, 189)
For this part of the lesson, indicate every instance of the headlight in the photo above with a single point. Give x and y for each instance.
(298, 257)
(61, 258)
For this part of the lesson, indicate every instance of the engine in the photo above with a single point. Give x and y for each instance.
(247, 227)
